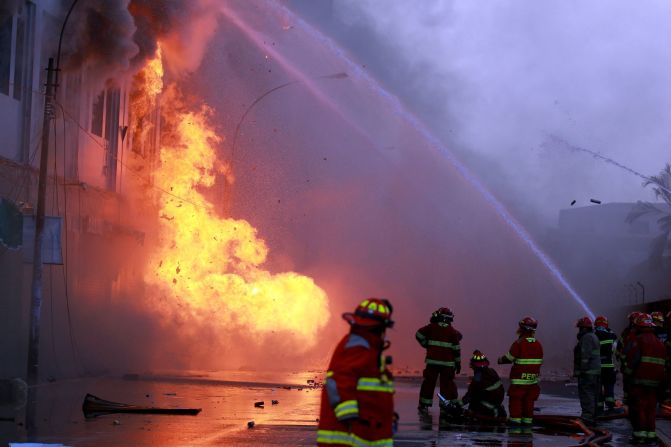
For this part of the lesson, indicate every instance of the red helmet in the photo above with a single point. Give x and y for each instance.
(528, 324)
(442, 315)
(479, 360)
(657, 318)
(633, 316)
(584, 322)
(644, 320)
(371, 312)
(601, 321)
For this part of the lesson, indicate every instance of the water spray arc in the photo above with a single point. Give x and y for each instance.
(357, 73)
(568, 146)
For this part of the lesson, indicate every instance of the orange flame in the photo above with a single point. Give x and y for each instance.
(208, 266)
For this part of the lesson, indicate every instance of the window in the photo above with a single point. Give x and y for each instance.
(97, 114)
(18, 62)
(6, 30)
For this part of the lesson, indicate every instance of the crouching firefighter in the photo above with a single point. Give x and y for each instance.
(357, 407)
(526, 355)
(443, 358)
(485, 392)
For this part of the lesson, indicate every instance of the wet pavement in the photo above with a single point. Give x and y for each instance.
(227, 401)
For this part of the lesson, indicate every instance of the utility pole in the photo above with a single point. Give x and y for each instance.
(36, 289)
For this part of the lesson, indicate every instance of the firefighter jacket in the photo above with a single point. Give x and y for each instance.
(357, 407)
(646, 361)
(607, 340)
(587, 355)
(485, 388)
(526, 355)
(441, 341)
(624, 344)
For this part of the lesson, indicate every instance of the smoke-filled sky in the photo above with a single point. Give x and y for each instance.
(494, 78)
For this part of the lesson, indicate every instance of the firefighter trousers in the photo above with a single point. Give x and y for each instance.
(521, 400)
(448, 389)
(643, 411)
(608, 379)
(589, 389)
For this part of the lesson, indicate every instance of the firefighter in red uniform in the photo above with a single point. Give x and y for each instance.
(443, 357)
(357, 407)
(526, 355)
(646, 366)
(485, 392)
(623, 346)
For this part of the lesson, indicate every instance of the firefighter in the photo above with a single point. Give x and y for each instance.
(587, 368)
(607, 340)
(357, 407)
(526, 355)
(660, 329)
(646, 365)
(485, 392)
(443, 358)
(624, 343)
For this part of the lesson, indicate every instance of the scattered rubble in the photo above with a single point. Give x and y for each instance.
(250, 424)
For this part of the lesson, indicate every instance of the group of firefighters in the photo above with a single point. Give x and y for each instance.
(357, 401)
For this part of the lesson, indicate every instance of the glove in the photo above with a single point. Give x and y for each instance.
(457, 368)
(394, 424)
(501, 360)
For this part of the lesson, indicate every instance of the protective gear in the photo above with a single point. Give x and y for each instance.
(371, 312)
(645, 364)
(624, 344)
(601, 321)
(526, 355)
(442, 315)
(443, 358)
(608, 374)
(644, 321)
(357, 405)
(479, 360)
(485, 392)
(657, 318)
(587, 368)
(584, 323)
(528, 324)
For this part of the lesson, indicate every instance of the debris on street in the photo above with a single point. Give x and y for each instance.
(94, 406)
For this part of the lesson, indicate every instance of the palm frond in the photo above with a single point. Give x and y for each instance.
(658, 246)
(641, 209)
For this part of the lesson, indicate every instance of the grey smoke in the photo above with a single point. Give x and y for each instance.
(115, 38)
(493, 78)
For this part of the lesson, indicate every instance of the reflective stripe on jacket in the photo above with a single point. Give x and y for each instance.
(587, 355)
(357, 407)
(442, 343)
(485, 388)
(526, 355)
(646, 361)
(607, 340)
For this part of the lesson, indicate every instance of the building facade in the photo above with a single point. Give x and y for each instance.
(91, 154)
